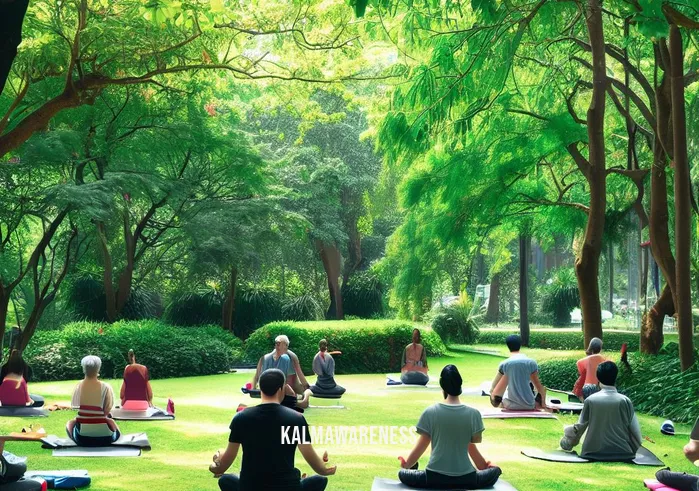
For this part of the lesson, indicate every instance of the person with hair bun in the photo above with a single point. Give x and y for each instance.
(587, 383)
(453, 429)
(324, 368)
(136, 393)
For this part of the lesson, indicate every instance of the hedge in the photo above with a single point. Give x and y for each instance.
(166, 350)
(655, 384)
(569, 340)
(368, 346)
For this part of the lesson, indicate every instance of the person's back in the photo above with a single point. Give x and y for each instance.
(267, 462)
(588, 366)
(518, 369)
(610, 418)
(451, 428)
(135, 383)
(13, 391)
(324, 368)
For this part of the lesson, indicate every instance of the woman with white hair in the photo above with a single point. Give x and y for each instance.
(94, 400)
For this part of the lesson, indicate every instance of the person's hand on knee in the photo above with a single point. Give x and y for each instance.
(495, 401)
(691, 451)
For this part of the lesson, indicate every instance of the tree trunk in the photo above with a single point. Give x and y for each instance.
(4, 308)
(354, 250)
(524, 289)
(652, 336)
(11, 19)
(330, 256)
(493, 314)
(683, 210)
(126, 277)
(610, 259)
(587, 264)
(107, 278)
(229, 304)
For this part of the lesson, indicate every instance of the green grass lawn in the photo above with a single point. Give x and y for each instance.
(182, 449)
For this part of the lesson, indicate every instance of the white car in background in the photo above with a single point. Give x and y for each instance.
(576, 316)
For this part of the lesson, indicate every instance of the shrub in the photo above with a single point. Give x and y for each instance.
(303, 308)
(194, 309)
(559, 373)
(254, 308)
(87, 299)
(167, 351)
(567, 340)
(561, 295)
(368, 346)
(454, 323)
(362, 295)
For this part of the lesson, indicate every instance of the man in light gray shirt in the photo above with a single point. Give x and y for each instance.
(516, 373)
(613, 432)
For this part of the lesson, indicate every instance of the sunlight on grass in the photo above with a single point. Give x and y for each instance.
(182, 449)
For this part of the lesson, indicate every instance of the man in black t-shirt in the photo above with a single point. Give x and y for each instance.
(269, 434)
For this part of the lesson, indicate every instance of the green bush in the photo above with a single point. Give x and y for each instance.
(362, 295)
(303, 308)
(167, 351)
(87, 300)
(559, 373)
(561, 296)
(455, 324)
(194, 309)
(368, 346)
(254, 308)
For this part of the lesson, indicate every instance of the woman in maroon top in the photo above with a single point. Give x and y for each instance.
(13, 386)
(136, 385)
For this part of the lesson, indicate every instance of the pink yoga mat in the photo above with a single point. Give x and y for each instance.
(657, 486)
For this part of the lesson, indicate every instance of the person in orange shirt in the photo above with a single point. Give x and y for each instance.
(587, 383)
(414, 362)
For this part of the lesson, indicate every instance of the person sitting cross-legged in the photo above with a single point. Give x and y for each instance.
(94, 400)
(268, 459)
(324, 368)
(136, 392)
(587, 383)
(13, 385)
(613, 431)
(453, 429)
(520, 374)
(414, 362)
(285, 360)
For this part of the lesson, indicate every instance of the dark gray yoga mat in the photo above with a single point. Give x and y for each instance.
(499, 413)
(23, 412)
(643, 457)
(381, 484)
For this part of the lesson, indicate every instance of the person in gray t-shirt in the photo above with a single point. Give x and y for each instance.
(516, 373)
(453, 429)
(613, 432)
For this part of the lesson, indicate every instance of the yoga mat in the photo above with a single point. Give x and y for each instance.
(643, 457)
(134, 440)
(412, 387)
(62, 479)
(571, 407)
(327, 407)
(23, 412)
(97, 452)
(500, 413)
(657, 486)
(150, 414)
(254, 393)
(381, 484)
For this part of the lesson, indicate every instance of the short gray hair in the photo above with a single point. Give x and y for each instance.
(282, 339)
(91, 365)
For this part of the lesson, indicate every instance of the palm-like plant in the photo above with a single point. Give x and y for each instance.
(561, 295)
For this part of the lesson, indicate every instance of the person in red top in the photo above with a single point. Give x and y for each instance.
(587, 383)
(13, 388)
(136, 386)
